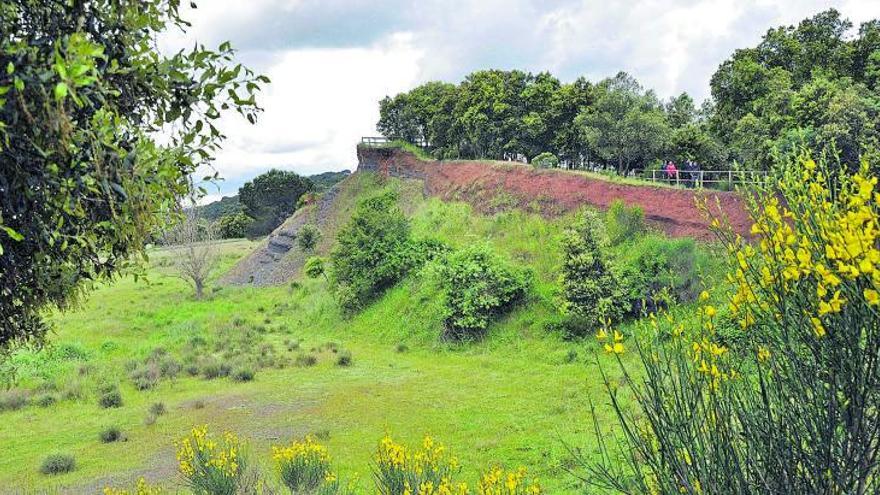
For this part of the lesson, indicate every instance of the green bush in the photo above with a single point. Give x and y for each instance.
(58, 464)
(46, 400)
(234, 226)
(315, 267)
(545, 160)
(158, 408)
(477, 287)
(372, 252)
(656, 272)
(243, 374)
(590, 292)
(308, 237)
(344, 359)
(305, 360)
(623, 222)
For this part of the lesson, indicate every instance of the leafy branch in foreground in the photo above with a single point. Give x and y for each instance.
(86, 182)
(793, 405)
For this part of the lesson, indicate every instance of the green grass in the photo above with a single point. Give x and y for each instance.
(513, 399)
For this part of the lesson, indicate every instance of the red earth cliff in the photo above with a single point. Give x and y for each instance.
(496, 186)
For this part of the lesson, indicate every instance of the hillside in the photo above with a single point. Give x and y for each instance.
(489, 187)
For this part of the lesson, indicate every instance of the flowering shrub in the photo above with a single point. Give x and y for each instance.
(141, 488)
(211, 466)
(303, 465)
(793, 409)
(496, 481)
(429, 470)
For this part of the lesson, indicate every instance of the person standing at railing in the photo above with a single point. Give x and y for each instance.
(671, 171)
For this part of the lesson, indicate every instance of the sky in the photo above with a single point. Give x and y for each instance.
(331, 61)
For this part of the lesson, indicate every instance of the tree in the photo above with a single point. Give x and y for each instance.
(308, 237)
(85, 181)
(233, 226)
(192, 245)
(272, 197)
(626, 126)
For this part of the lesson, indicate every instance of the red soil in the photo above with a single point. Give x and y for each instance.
(495, 186)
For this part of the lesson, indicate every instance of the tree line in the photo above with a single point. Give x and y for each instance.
(809, 85)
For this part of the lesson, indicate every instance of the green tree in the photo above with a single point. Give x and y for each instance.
(626, 126)
(85, 182)
(234, 226)
(272, 197)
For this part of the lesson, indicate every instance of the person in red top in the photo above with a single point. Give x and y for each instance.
(671, 171)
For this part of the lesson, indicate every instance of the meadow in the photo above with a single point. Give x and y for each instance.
(266, 363)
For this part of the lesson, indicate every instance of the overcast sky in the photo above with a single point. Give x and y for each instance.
(331, 61)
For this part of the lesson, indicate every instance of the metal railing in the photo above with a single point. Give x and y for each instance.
(382, 142)
(704, 179)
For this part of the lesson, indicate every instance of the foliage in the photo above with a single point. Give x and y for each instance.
(372, 251)
(315, 267)
(85, 181)
(234, 226)
(272, 197)
(308, 237)
(110, 397)
(227, 206)
(140, 488)
(58, 464)
(623, 223)
(655, 273)
(211, 465)
(303, 465)
(801, 85)
(806, 293)
(430, 469)
(545, 160)
(326, 180)
(477, 287)
(589, 288)
(497, 481)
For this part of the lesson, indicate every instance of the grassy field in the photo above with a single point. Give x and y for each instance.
(520, 397)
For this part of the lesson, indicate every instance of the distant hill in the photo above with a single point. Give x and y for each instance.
(230, 205)
(326, 180)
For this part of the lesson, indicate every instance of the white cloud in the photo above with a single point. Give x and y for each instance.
(332, 60)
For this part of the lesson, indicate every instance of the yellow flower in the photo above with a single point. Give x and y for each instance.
(763, 354)
(872, 297)
(818, 328)
(601, 335)
(616, 348)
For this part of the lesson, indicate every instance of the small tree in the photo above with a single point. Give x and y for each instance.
(233, 226)
(195, 254)
(315, 267)
(589, 288)
(545, 160)
(308, 237)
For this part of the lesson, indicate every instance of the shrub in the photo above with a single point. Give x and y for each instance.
(545, 160)
(624, 223)
(58, 464)
(397, 468)
(46, 400)
(308, 237)
(234, 226)
(477, 287)
(111, 434)
(655, 272)
(401, 347)
(344, 359)
(498, 481)
(306, 360)
(211, 465)
(244, 374)
(303, 465)
(315, 267)
(12, 400)
(157, 408)
(793, 408)
(145, 376)
(372, 252)
(141, 488)
(110, 397)
(590, 296)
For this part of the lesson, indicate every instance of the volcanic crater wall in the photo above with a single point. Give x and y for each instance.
(495, 186)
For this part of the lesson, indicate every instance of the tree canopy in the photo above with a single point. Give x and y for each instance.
(85, 180)
(272, 197)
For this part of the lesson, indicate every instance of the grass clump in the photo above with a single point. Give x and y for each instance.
(46, 400)
(111, 434)
(243, 374)
(158, 408)
(58, 464)
(110, 397)
(12, 400)
(304, 360)
(344, 359)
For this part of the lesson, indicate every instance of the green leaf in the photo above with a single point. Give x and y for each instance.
(12, 233)
(60, 91)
